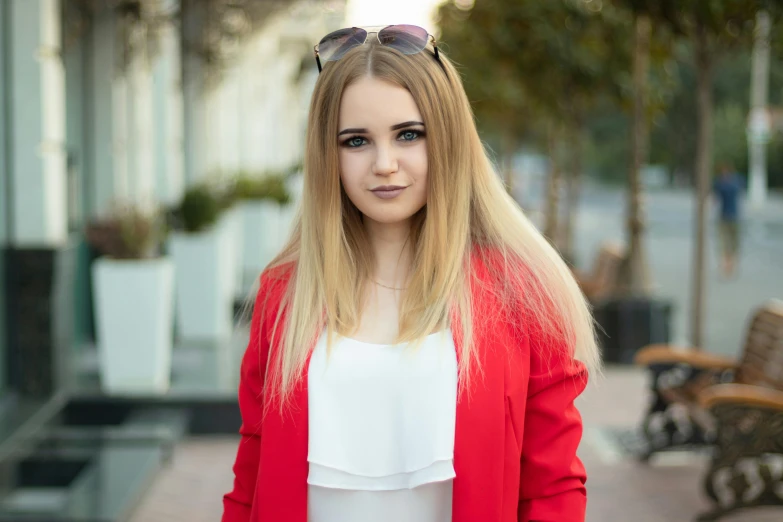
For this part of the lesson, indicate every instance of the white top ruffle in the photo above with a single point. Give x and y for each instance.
(381, 430)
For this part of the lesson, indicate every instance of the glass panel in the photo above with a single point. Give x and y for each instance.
(5, 197)
(77, 96)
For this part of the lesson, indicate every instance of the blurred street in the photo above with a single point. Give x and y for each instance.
(669, 246)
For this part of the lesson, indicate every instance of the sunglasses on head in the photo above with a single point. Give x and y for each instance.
(408, 39)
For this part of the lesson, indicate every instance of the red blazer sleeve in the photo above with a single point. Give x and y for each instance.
(552, 482)
(238, 503)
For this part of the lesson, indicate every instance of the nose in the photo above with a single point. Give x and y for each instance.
(385, 161)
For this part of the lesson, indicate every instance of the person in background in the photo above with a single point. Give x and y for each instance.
(728, 190)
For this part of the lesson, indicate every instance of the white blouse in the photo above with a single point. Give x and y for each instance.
(381, 431)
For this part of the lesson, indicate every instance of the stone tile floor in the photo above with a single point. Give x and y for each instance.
(619, 488)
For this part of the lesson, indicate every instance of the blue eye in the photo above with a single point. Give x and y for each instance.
(355, 141)
(410, 135)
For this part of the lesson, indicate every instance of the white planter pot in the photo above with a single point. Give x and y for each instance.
(134, 313)
(204, 287)
(231, 223)
(260, 231)
(295, 185)
(287, 215)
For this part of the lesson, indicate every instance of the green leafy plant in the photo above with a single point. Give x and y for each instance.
(296, 168)
(271, 186)
(226, 196)
(200, 208)
(129, 232)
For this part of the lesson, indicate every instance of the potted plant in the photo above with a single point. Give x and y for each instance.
(261, 199)
(203, 257)
(133, 286)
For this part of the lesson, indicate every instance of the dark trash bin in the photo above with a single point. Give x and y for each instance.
(627, 324)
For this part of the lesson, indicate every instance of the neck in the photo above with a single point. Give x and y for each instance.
(392, 251)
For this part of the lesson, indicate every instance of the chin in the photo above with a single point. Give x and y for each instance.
(390, 219)
(390, 216)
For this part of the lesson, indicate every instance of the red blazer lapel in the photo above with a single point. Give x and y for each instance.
(480, 442)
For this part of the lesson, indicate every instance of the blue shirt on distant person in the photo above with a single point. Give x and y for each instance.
(728, 189)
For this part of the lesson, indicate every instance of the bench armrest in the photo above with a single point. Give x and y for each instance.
(670, 354)
(753, 396)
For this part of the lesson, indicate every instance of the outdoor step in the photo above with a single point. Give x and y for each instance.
(165, 422)
(165, 426)
(102, 483)
(91, 464)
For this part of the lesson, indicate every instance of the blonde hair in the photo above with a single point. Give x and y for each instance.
(468, 213)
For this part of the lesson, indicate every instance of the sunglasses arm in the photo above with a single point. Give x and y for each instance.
(317, 59)
(435, 47)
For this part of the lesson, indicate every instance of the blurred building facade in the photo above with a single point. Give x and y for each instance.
(111, 101)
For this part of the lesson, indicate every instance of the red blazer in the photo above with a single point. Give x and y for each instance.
(517, 431)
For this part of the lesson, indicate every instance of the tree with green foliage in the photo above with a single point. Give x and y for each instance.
(497, 96)
(551, 50)
(648, 17)
(534, 70)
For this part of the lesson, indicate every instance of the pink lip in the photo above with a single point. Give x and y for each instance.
(388, 191)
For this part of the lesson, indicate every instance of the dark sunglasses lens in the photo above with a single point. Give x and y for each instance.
(408, 39)
(334, 45)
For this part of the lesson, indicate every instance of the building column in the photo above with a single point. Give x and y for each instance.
(107, 124)
(195, 141)
(168, 109)
(38, 268)
(269, 87)
(224, 122)
(37, 116)
(123, 120)
(254, 127)
(140, 131)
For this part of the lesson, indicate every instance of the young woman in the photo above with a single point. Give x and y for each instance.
(416, 349)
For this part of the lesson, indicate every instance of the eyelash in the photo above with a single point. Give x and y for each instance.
(419, 134)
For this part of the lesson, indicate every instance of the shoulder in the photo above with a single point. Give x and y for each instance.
(500, 285)
(272, 285)
(542, 305)
(276, 278)
(488, 262)
(491, 266)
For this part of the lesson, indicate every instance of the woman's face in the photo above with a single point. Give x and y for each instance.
(382, 151)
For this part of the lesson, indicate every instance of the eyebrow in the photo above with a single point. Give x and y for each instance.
(393, 127)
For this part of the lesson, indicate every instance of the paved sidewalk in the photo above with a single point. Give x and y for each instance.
(619, 488)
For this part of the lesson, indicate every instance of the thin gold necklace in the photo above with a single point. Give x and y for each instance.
(389, 287)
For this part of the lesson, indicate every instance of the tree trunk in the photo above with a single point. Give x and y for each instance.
(554, 182)
(703, 170)
(634, 277)
(573, 189)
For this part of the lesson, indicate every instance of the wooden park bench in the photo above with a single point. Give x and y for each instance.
(601, 281)
(735, 406)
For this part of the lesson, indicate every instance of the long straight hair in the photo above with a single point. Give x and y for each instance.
(468, 212)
